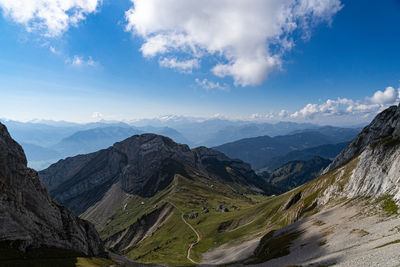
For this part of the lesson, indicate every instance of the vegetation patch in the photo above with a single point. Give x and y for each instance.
(94, 262)
(386, 142)
(390, 243)
(388, 205)
(359, 232)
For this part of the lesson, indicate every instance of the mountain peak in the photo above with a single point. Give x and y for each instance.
(143, 164)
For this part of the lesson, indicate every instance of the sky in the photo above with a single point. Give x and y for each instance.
(320, 61)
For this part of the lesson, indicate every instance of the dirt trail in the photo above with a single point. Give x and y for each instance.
(194, 230)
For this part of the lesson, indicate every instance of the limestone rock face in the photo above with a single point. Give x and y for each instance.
(375, 160)
(386, 123)
(376, 173)
(28, 217)
(143, 164)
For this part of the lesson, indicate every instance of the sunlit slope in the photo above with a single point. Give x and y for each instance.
(168, 241)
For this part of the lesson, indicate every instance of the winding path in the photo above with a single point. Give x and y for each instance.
(194, 230)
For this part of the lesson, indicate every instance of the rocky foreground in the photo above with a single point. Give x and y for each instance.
(29, 218)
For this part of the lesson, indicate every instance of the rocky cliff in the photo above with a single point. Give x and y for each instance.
(385, 124)
(376, 172)
(143, 164)
(29, 219)
(377, 152)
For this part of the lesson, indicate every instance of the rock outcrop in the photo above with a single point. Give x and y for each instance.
(375, 173)
(143, 164)
(29, 219)
(376, 155)
(142, 228)
(385, 124)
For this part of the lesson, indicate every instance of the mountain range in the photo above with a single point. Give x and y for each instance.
(329, 151)
(259, 150)
(201, 214)
(46, 142)
(157, 201)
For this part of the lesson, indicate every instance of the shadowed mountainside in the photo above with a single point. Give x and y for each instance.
(29, 219)
(296, 173)
(259, 150)
(329, 151)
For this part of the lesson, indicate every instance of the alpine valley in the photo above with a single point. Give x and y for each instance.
(147, 133)
(155, 201)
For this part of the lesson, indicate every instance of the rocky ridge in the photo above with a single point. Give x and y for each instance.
(143, 164)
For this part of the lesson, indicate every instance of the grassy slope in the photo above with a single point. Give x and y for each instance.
(256, 217)
(169, 244)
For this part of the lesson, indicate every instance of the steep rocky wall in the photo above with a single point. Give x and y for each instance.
(386, 123)
(377, 172)
(28, 217)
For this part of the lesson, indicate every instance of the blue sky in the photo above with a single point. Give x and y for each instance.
(97, 65)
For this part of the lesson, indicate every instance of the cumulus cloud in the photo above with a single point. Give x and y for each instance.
(386, 97)
(209, 85)
(249, 38)
(344, 106)
(185, 66)
(52, 17)
(283, 114)
(79, 61)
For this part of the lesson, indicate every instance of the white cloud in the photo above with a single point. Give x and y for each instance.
(283, 114)
(79, 61)
(248, 37)
(209, 85)
(52, 17)
(257, 116)
(97, 115)
(185, 66)
(386, 97)
(53, 50)
(344, 106)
